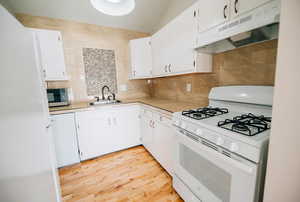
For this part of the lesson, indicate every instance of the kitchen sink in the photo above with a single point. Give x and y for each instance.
(105, 102)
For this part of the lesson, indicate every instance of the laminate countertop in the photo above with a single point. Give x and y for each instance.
(170, 106)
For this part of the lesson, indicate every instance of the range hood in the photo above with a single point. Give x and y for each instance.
(258, 26)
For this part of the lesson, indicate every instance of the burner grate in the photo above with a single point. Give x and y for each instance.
(247, 124)
(204, 113)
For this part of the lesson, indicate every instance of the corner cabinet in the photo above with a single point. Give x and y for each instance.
(173, 47)
(158, 136)
(49, 47)
(141, 58)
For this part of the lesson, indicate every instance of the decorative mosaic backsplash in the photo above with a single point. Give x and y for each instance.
(100, 70)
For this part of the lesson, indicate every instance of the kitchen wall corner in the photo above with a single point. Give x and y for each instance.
(77, 36)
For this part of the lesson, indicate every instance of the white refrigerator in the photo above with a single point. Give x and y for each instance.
(27, 159)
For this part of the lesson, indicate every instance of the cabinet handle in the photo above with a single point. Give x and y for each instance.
(235, 6)
(115, 120)
(169, 67)
(166, 68)
(224, 11)
(195, 13)
(109, 121)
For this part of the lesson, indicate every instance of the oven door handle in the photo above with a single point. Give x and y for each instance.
(247, 166)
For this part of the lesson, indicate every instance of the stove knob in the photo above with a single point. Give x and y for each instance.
(177, 123)
(234, 147)
(199, 132)
(220, 141)
(183, 126)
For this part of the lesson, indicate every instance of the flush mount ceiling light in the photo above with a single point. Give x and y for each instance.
(114, 7)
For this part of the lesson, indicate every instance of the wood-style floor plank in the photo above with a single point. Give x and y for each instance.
(131, 175)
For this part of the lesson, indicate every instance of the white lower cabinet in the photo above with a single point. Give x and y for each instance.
(65, 139)
(106, 130)
(157, 137)
(102, 130)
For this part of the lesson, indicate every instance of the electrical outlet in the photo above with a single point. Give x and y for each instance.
(123, 87)
(188, 87)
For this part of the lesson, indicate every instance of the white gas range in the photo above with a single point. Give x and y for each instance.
(221, 150)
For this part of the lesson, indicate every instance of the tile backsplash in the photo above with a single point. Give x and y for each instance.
(100, 70)
(251, 65)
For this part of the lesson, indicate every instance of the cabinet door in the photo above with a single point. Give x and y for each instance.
(182, 40)
(95, 133)
(141, 58)
(147, 133)
(52, 54)
(126, 124)
(239, 7)
(160, 49)
(163, 145)
(212, 13)
(65, 139)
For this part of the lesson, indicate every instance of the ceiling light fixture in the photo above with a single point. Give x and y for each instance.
(114, 7)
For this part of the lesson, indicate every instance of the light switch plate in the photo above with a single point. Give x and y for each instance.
(123, 88)
(188, 87)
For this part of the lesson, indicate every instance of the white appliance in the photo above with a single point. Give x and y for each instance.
(27, 171)
(221, 151)
(261, 24)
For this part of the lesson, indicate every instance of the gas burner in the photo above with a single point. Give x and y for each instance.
(247, 124)
(204, 113)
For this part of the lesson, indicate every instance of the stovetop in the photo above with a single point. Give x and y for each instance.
(244, 124)
(247, 124)
(204, 113)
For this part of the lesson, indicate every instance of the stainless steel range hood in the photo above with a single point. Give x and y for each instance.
(262, 34)
(258, 26)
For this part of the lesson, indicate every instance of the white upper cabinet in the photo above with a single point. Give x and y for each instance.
(141, 58)
(239, 7)
(160, 49)
(51, 55)
(211, 13)
(173, 46)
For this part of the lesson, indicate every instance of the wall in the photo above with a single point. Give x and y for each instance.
(283, 176)
(175, 8)
(252, 65)
(77, 36)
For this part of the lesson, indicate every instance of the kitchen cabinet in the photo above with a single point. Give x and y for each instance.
(160, 49)
(173, 47)
(107, 129)
(157, 137)
(212, 13)
(65, 139)
(141, 58)
(240, 7)
(51, 55)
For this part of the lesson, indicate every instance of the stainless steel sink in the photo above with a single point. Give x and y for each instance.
(105, 102)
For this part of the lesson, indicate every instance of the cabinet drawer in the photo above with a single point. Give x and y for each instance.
(146, 112)
(161, 118)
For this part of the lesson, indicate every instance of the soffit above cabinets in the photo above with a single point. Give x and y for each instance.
(144, 18)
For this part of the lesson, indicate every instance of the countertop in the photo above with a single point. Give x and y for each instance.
(170, 106)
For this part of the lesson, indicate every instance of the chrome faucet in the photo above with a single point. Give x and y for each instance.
(103, 88)
(110, 97)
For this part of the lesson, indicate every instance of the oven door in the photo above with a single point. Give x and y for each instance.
(212, 176)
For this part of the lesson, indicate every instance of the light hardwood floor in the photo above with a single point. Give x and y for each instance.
(130, 175)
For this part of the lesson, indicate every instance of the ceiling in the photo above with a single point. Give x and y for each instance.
(144, 18)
